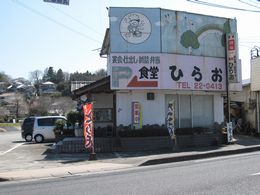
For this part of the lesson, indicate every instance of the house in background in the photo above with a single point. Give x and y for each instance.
(249, 97)
(163, 62)
(47, 88)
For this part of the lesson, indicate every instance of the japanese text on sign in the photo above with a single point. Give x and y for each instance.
(232, 58)
(169, 71)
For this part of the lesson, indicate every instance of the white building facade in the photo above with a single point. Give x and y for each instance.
(161, 59)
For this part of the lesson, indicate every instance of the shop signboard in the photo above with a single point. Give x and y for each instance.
(171, 118)
(136, 115)
(232, 58)
(167, 71)
(229, 132)
(88, 125)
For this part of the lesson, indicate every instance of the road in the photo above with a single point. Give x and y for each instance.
(16, 154)
(239, 174)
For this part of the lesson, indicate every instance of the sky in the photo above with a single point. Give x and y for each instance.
(36, 35)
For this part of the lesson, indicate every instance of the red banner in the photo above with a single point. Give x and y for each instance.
(88, 125)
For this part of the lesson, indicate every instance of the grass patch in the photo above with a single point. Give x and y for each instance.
(10, 124)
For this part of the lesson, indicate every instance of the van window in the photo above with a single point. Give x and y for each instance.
(28, 124)
(46, 121)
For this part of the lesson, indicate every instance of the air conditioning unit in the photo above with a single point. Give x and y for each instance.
(150, 96)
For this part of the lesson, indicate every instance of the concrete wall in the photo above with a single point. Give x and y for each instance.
(218, 108)
(153, 111)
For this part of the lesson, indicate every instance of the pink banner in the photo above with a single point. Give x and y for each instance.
(88, 125)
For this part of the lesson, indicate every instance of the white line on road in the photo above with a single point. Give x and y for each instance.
(11, 149)
(255, 174)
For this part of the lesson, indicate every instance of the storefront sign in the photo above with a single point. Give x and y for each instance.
(167, 71)
(171, 118)
(88, 125)
(229, 132)
(232, 58)
(136, 115)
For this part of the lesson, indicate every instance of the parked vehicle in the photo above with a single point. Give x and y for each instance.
(27, 129)
(43, 127)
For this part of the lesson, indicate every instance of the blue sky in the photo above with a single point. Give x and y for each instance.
(36, 34)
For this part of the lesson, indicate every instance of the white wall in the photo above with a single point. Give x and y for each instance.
(153, 111)
(218, 108)
(255, 72)
(103, 100)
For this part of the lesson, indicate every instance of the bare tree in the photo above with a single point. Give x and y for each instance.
(36, 77)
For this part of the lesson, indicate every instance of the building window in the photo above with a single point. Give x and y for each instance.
(103, 115)
(202, 109)
(192, 111)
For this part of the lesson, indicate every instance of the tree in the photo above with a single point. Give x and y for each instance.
(190, 40)
(49, 75)
(4, 77)
(36, 77)
(59, 76)
(99, 74)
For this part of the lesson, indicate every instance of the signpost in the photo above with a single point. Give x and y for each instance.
(89, 130)
(229, 132)
(64, 2)
(232, 58)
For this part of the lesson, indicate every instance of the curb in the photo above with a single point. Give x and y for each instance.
(198, 156)
(2, 130)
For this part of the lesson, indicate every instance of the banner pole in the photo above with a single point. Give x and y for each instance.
(92, 155)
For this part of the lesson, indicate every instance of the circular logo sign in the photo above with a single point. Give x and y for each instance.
(135, 28)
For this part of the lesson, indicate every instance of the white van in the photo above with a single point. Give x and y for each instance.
(43, 127)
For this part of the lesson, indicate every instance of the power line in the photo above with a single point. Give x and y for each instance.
(249, 4)
(222, 6)
(75, 19)
(54, 21)
(241, 45)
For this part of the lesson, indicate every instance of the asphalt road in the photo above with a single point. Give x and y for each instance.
(238, 174)
(16, 154)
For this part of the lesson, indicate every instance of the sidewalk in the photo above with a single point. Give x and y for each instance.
(119, 161)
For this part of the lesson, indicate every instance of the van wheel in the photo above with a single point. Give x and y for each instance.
(28, 137)
(38, 138)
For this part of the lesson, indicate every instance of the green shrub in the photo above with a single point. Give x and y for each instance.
(59, 125)
(146, 131)
(191, 131)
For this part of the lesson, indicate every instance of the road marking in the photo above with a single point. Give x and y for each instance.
(11, 149)
(255, 174)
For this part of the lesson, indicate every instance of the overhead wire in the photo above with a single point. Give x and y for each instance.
(54, 21)
(255, 6)
(75, 19)
(222, 6)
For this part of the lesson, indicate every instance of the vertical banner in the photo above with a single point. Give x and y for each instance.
(88, 125)
(232, 57)
(229, 132)
(136, 115)
(171, 118)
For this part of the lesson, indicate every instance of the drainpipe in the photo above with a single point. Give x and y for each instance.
(227, 82)
(257, 112)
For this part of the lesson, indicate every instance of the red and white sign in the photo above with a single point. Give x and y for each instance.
(88, 125)
(136, 115)
(167, 71)
(232, 58)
